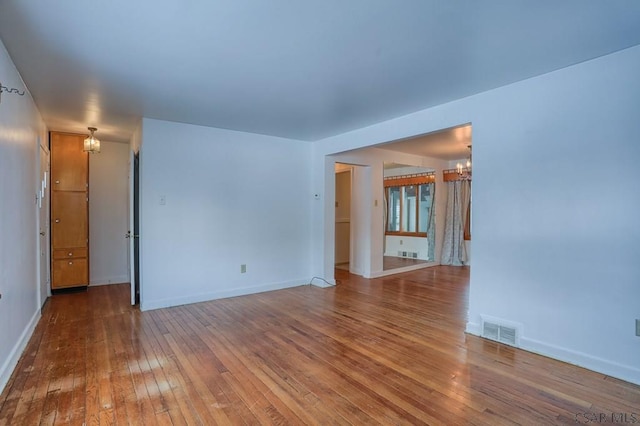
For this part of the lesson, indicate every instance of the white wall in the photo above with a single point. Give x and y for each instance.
(555, 193)
(108, 214)
(20, 128)
(232, 198)
(135, 143)
(558, 240)
(395, 243)
(360, 262)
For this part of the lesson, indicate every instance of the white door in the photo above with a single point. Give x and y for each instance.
(43, 226)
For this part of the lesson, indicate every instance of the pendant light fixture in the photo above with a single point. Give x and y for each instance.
(92, 144)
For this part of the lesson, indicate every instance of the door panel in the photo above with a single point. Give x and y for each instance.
(70, 272)
(69, 219)
(70, 171)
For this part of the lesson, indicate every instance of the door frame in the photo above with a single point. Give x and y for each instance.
(134, 226)
(43, 227)
(348, 168)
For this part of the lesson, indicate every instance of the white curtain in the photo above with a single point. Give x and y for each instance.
(454, 251)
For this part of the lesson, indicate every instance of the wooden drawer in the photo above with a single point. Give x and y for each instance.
(70, 273)
(69, 253)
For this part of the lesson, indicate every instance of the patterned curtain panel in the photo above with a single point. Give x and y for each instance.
(431, 227)
(453, 248)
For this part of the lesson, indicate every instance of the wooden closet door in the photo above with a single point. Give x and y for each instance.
(69, 211)
(69, 164)
(69, 221)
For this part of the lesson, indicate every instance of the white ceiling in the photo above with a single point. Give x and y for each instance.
(298, 69)
(447, 144)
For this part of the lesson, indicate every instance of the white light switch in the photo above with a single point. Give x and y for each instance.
(163, 200)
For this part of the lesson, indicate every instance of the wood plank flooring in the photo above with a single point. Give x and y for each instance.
(385, 351)
(393, 262)
(389, 262)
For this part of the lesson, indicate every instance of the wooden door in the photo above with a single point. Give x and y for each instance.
(69, 219)
(69, 164)
(69, 211)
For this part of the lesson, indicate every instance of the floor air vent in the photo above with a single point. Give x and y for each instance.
(499, 332)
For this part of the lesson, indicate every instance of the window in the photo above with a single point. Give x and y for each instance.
(409, 201)
(393, 197)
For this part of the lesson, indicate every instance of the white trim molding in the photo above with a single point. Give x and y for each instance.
(580, 359)
(16, 352)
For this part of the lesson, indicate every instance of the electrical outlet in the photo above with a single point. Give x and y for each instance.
(243, 268)
(638, 327)
(400, 242)
(163, 200)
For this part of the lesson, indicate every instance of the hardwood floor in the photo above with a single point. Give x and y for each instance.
(392, 262)
(389, 262)
(384, 351)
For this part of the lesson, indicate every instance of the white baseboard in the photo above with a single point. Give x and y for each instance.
(590, 362)
(204, 297)
(474, 328)
(14, 356)
(356, 271)
(610, 368)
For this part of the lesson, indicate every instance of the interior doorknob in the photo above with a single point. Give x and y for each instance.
(42, 233)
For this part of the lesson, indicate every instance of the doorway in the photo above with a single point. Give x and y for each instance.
(343, 216)
(438, 151)
(409, 215)
(43, 224)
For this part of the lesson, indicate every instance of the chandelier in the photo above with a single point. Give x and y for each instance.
(92, 144)
(464, 169)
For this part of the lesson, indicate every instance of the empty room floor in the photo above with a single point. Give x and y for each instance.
(382, 351)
